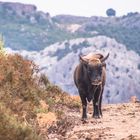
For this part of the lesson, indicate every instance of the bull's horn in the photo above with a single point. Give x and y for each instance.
(104, 58)
(82, 60)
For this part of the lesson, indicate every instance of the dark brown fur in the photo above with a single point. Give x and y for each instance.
(89, 78)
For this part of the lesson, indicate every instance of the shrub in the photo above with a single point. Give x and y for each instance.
(16, 78)
(12, 129)
(22, 97)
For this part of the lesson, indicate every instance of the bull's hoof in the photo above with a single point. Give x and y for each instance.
(96, 116)
(101, 116)
(84, 120)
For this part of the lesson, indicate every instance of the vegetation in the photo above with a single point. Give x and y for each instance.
(124, 29)
(36, 30)
(60, 53)
(123, 35)
(29, 31)
(110, 12)
(24, 95)
(11, 128)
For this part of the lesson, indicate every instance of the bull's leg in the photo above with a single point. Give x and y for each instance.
(100, 106)
(100, 103)
(96, 103)
(84, 106)
(96, 113)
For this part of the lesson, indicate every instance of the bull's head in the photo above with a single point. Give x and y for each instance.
(94, 67)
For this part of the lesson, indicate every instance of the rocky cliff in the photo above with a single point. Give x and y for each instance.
(18, 8)
(59, 60)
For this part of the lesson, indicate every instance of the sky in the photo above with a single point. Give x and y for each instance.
(83, 7)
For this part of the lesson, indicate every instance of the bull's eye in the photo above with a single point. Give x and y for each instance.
(89, 72)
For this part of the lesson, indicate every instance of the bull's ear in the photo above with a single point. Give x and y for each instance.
(82, 60)
(103, 64)
(99, 56)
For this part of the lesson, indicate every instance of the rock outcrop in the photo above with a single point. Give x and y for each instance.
(18, 8)
(58, 61)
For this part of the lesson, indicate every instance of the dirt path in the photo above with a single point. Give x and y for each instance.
(119, 122)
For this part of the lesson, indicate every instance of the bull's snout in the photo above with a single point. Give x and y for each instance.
(96, 83)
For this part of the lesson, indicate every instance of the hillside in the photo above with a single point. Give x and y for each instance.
(26, 28)
(28, 103)
(32, 108)
(23, 27)
(125, 29)
(38, 98)
(59, 60)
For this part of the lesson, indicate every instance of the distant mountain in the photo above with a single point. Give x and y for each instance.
(125, 29)
(25, 28)
(59, 60)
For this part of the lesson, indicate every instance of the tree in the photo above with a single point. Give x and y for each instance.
(110, 12)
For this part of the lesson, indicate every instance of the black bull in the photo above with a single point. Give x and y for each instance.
(89, 78)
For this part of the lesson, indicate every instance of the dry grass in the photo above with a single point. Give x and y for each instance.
(27, 100)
